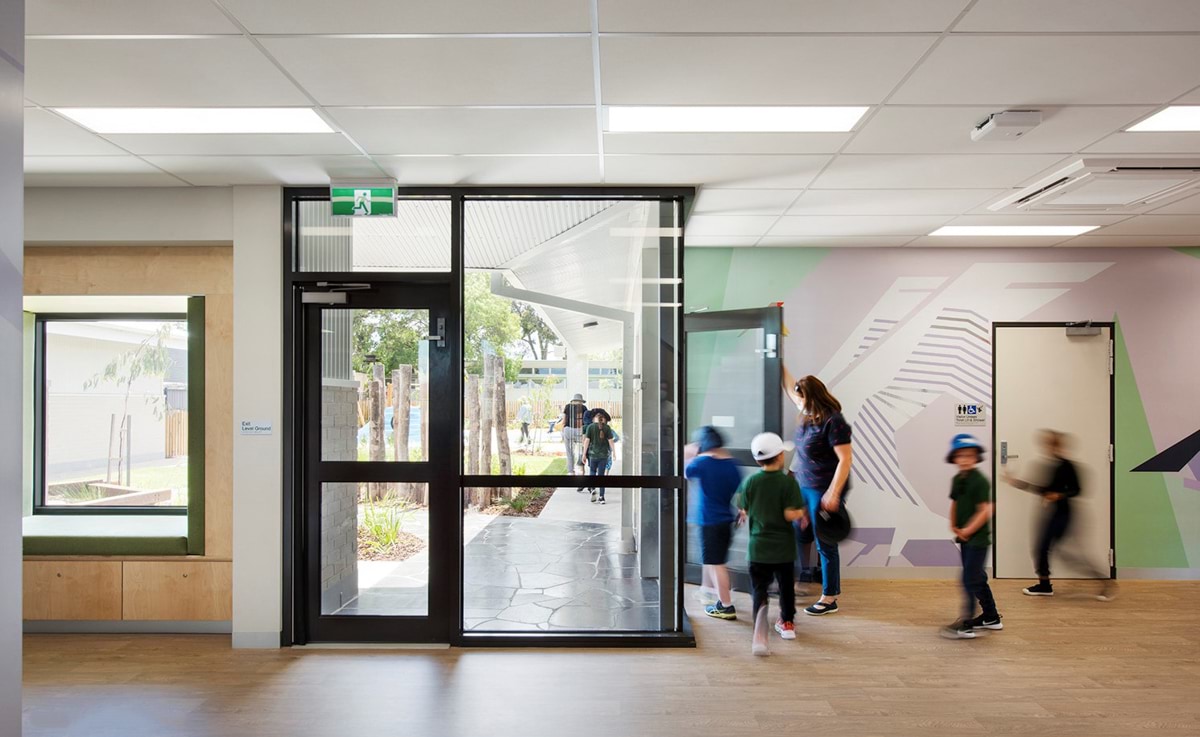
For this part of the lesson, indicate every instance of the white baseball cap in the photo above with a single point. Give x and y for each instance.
(768, 445)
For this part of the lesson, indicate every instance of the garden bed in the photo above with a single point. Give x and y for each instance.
(405, 546)
(528, 503)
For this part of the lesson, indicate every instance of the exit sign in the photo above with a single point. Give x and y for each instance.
(362, 200)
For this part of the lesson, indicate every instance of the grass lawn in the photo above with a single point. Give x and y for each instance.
(539, 465)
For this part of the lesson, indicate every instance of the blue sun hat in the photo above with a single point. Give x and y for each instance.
(964, 440)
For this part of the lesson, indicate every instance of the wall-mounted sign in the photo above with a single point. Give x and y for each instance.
(969, 415)
(256, 427)
(361, 199)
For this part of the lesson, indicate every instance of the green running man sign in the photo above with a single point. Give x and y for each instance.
(363, 200)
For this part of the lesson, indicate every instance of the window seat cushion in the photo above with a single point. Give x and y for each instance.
(47, 534)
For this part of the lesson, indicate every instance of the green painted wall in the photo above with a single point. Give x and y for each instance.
(1147, 531)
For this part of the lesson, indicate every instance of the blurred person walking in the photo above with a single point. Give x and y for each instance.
(1060, 485)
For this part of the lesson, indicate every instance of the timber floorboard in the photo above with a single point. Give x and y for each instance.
(1063, 666)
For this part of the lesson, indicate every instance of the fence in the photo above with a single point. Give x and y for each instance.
(177, 433)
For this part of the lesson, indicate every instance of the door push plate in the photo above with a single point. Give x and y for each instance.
(1004, 456)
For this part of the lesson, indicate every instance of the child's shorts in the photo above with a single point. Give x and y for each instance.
(714, 544)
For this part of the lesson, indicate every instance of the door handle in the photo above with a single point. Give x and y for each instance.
(1004, 455)
(440, 336)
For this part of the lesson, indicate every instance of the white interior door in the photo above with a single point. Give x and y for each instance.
(1047, 379)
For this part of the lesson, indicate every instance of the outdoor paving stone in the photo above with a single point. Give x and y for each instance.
(551, 602)
(529, 598)
(639, 618)
(598, 598)
(583, 618)
(481, 614)
(526, 613)
(490, 592)
(573, 570)
(572, 588)
(485, 603)
(500, 625)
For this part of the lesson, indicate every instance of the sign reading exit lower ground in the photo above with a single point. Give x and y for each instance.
(361, 199)
(969, 415)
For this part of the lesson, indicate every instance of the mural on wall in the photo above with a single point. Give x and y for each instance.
(904, 336)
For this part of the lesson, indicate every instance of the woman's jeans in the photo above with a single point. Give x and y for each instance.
(598, 467)
(831, 561)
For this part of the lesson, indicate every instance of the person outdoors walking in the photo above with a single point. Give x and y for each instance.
(821, 465)
(524, 417)
(572, 419)
(598, 449)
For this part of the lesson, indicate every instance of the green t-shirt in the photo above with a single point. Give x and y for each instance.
(764, 496)
(969, 490)
(598, 437)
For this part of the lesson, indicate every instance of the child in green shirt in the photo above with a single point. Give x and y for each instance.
(771, 501)
(970, 521)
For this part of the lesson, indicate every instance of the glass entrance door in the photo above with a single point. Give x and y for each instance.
(380, 495)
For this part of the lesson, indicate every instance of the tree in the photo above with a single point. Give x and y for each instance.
(149, 358)
(488, 321)
(535, 333)
(394, 336)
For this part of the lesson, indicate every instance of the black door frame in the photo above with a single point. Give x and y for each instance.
(770, 320)
(295, 629)
(1111, 327)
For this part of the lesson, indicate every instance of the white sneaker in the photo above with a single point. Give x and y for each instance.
(786, 630)
(760, 649)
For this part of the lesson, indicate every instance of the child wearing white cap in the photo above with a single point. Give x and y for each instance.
(771, 501)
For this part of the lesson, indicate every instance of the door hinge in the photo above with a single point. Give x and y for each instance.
(1111, 453)
(1112, 558)
(1112, 357)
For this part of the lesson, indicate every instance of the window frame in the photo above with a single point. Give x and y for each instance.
(195, 413)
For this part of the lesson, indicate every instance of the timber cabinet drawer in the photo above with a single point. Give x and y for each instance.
(178, 591)
(89, 590)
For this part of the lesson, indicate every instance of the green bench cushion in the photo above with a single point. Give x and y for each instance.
(105, 535)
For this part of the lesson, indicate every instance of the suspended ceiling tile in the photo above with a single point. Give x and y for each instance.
(128, 17)
(1037, 219)
(724, 143)
(94, 171)
(155, 73)
(744, 201)
(891, 201)
(1148, 143)
(1186, 206)
(826, 241)
(898, 130)
(777, 16)
(1134, 241)
(433, 170)
(857, 225)
(223, 171)
(235, 144)
(729, 225)
(719, 241)
(763, 70)
(930, 241)
(412, 16)
(733, 172)
(869, 171)
(1054, 70)
(440, 71)
(471, 130)
(1168, 225)
(1077, 16)
(46, 134)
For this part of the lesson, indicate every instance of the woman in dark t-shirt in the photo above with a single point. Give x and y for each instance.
(822, 466)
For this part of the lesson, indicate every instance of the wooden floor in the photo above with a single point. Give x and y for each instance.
(1062, 666)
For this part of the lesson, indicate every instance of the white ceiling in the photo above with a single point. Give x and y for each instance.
(485, 92)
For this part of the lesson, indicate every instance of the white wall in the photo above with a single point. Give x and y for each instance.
(12, 59)
(257, 396)
(161, 216)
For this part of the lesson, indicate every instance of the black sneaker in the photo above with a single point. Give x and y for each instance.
(960, 630)
(1041, 589)
(602, 500)
(984, 623)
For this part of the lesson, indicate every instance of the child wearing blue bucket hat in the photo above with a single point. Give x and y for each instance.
(970, 518)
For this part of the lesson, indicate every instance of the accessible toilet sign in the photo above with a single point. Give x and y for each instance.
(362, 199)
(969, 415)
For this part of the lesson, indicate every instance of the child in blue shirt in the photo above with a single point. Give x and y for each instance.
(717, 478)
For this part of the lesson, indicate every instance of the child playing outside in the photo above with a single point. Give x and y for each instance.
(598, 449)
(771, 501)
(970, 516)
(717, 479)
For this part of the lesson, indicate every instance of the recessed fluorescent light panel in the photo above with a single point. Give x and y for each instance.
(1014, 230)
(1173, 119)
(112, 120)
(759, 119)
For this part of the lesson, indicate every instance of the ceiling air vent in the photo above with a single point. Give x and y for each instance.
(1107, 185)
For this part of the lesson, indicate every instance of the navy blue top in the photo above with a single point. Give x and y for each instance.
(718, 480)
(815, 462)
